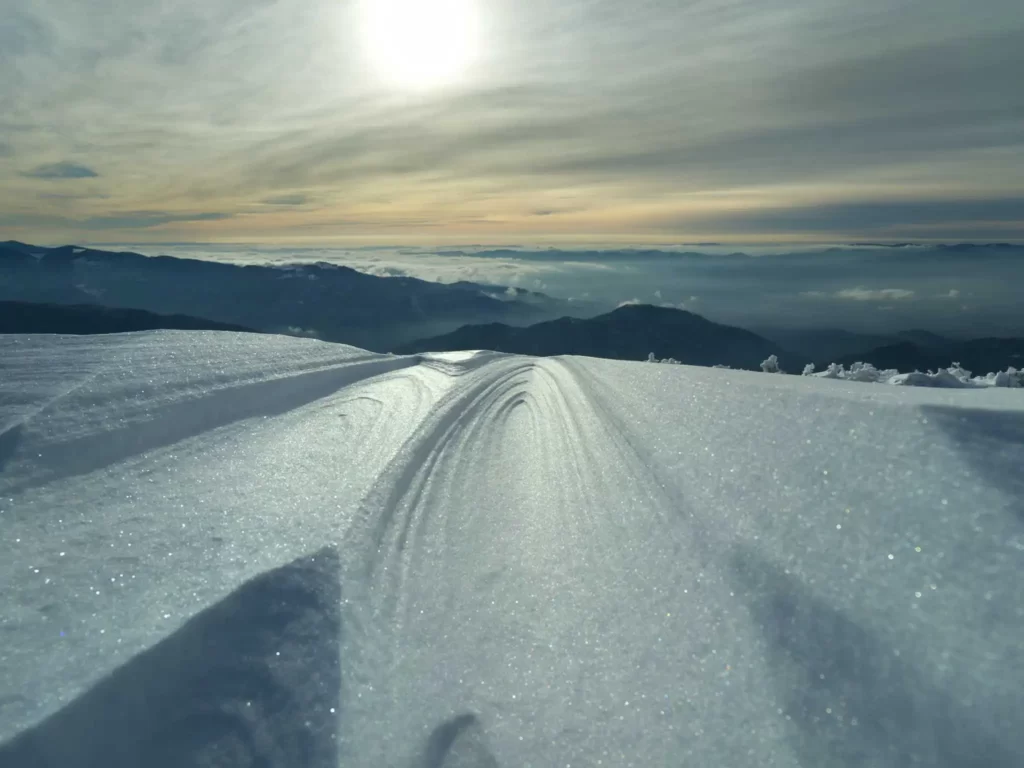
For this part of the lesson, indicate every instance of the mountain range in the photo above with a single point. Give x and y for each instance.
(978, 355)
(85, 290)
(87, 319)
(331, 302)
(631, 332)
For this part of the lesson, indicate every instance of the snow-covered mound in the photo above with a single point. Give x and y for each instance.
(223, 549)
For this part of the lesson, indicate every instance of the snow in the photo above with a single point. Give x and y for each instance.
(230, 549)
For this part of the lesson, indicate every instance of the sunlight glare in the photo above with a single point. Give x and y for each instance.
(421, 43)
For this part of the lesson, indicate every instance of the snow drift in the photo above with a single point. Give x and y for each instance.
(226, 549)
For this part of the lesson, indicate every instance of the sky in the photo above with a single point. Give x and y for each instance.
(315, 122)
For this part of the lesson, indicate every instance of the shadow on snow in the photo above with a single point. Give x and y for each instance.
(251, 681)
(993, 444)
(853, 701)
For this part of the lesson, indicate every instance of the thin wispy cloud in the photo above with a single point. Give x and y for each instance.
(286, 200)
(881, 294)
(147, 220)
(89, 226)
(60, 171)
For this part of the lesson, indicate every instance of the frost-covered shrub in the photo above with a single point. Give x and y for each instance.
(857, 372)
(651, 358)
(867, 372)
(1010, 378)
(954, 377)
(771, 365)
(940, 379)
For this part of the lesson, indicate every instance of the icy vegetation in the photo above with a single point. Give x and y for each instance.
(954, 377)
(225, 550)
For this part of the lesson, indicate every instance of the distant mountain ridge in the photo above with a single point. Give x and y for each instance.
(633, 332)
(628, 333)
(87, 319)
(906, 351)
(826, 345)
(332, 302)
(981, 356)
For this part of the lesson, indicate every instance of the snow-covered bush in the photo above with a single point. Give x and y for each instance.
(651, 358)
(771, 365)
(808, 370)
(1010, 378)
(857, 372)
(954, 377)
(868, 372)
(941, 379)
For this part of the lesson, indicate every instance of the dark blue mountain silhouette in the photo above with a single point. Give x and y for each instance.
(25, 317)
(978, 355)
(628, 333)
(332, 302)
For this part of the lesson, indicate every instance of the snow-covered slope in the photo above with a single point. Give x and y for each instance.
(224, 549)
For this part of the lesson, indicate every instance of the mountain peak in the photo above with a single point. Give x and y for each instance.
(630, 332)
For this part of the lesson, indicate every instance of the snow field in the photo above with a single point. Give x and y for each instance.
(259, 548)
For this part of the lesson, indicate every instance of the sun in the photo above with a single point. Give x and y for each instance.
(421, 43)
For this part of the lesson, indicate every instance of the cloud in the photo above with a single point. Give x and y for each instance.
(952, 294)
(384, 271)
(146, 220)
(861, 293)
(72, 196)
(39, 221)
(5, 149)
(902, 218)
(880, 294)
(61, 171)
(630, 302)
(286, 200)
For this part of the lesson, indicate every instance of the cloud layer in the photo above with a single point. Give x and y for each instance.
(582, 120)
(60, 171)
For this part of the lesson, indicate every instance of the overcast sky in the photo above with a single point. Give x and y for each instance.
(531, 121)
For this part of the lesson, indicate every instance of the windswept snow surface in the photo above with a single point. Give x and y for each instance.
(226, 549)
